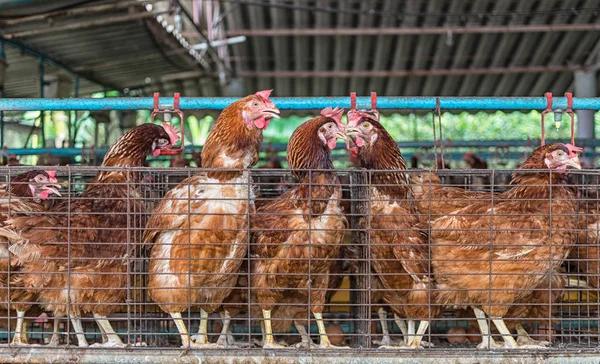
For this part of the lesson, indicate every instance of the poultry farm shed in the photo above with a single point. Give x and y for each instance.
(427, 265)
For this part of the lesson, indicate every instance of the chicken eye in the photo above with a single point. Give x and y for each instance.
(255, 104)
(365, 125)
(329, 126)
(561, 154)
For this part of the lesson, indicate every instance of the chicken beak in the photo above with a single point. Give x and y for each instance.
(351, 130)
(341, 135)
(52, 188)
(574, 162)
(272, 113)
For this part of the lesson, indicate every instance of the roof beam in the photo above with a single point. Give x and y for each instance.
(79, 25)
(534, 28)
(415, 72)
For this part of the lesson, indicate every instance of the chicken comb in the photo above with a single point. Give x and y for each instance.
(51, 174)
(573, 150)
(354, 116)
(264, 94)
(335, 114)
(171, 131)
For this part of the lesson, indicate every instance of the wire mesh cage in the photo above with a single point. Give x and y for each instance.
(325, 269)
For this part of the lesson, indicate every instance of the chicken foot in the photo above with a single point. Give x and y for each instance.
(487, 341)
(78, 328)
(114, 341)
(524, 338)
(509, 341)
(417, 341)
(325, 343)
(269, 340)
(306, 340)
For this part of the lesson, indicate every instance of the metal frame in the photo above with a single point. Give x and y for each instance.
(306, 103)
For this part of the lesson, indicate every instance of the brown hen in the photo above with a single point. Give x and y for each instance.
(23, 195)
(298, 236)
(490, 262)
(199, 230)
(434, 200)
(89, 238)
(398, 247)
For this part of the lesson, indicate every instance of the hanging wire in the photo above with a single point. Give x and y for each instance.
(439, 114)
(434, 141)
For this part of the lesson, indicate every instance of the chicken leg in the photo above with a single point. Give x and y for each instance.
(487, 341)
(306, 340)
(201, 340)
(411, 331)
(269, 341)
(55, 339)
(402, 325)
(325, 343)
(78, 328)
(114, 341)
(20, 337)
(385, 332)
(103, 334)
(226, 338)
(185, 336)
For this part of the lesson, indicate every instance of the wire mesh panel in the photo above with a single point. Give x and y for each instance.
(340, 262)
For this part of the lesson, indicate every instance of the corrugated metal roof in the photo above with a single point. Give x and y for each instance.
(330, 47)
(123, 47)
(332, 64)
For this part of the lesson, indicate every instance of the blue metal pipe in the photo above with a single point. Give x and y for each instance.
(304, 103)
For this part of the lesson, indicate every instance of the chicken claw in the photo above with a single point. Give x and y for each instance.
(528, 341)
(489, 344)
(525, 339)
(109, 344)
(273, 346)
(385, 341)
(401, 346)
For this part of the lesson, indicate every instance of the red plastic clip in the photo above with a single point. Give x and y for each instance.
(166, 110)
(353, 101)
(374, 104)
(569, 111)
(548, 96)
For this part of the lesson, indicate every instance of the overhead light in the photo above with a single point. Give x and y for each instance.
(219, 43)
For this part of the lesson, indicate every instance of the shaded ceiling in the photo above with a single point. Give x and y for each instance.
(316, 47)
